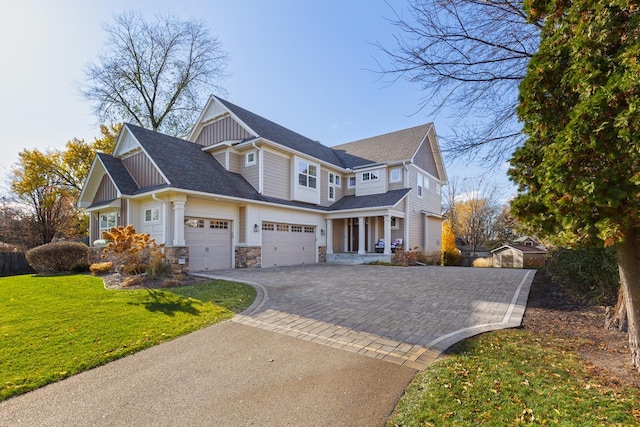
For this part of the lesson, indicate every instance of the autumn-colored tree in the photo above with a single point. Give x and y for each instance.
(450, 253)
(130, 252)
(577, 172)
(47, 184)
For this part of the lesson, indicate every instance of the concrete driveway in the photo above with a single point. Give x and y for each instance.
(291, 359)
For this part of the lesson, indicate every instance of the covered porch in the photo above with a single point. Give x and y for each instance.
(364, 238)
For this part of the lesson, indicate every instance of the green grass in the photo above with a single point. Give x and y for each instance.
(52, 327)
(509, 378)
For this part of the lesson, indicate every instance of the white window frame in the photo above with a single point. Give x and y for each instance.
(395, 224)
(334, 181)
(392, 172)
(250, 158)
(305, 170)
(352, 182)
(420, 186)
(154, 214)
(108, 226)
(370, 176)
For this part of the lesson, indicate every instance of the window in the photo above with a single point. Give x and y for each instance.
(296, 229)
(307, 174)
(420, 182)
(194, 223)
(282, 227)
(309, 229)
(366, 176)
(250, 158)
(219, 225)
(334, 181)
(426, 182)
(107, 221)
(152, 215)
(438, 188)
(394, 223)
(352, 181)
(395, 175)
(268, 226)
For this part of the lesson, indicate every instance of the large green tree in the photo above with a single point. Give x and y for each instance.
(578, 173)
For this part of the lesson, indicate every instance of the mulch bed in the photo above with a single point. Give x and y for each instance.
(116, 281)
(551, 311)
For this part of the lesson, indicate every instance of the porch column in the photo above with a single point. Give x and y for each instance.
(329, 236)
(178, 223)
(387, 234)
(361, 248)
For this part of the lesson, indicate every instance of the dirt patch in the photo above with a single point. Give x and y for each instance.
(551, 311)
(118, 281)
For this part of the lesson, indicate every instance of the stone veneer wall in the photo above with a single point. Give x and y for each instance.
(248, 256)
(322, 254)
(173, 255)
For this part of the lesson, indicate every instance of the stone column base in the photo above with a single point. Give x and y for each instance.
(248, 257)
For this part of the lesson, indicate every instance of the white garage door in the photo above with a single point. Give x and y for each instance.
(209, 242)
(288, 244)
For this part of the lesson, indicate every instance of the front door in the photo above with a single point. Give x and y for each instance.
(354, 233)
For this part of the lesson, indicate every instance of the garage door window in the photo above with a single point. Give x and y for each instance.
(194, 223)
(296, 228)
(309, 230)
(268, 226)
(220, 225)
(282, 227)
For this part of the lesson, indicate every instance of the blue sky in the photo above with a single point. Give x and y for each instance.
(306, 65)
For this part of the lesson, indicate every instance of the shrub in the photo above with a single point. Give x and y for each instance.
(452, 258)
(101, 268)
(131, 252)
(410, 257)
(157, 268)
(591, 272)
(58, 257)
(483, 262)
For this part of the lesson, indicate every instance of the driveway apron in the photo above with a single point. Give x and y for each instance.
(283, 361)
(406, 316)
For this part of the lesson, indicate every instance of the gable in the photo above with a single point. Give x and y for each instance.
(106, 190)
(143, 170)
(425, 161)
(225, 129)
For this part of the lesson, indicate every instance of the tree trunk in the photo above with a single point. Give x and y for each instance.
(628, 254)
(616, 317)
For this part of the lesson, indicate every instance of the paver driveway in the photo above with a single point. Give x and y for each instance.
(402, 315)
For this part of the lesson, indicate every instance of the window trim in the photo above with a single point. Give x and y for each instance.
(306, 173)
(391, 172)
(151, 211)
(352, 182)
(420, 189)
(248, 162)
(106, 214)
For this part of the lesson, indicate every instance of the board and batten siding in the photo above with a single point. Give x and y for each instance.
(142, 170)
(226, 129)
(277, 176)
(424, 159)
(106, 190)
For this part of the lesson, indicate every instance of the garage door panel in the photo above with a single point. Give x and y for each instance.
(287, 244)
(209, 242)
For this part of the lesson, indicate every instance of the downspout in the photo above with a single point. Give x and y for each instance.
(260, 167)
(164, 217)
(406, 209)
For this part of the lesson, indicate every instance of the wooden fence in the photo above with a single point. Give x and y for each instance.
(14, 263)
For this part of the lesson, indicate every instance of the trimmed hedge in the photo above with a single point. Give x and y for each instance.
(58, 257)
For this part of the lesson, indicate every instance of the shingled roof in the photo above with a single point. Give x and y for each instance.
(116, 170)
(279, 134)
(187, 167)
(388, 148)
(390, 198)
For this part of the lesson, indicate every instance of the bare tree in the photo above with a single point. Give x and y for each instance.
(468, 56)
(155, 73)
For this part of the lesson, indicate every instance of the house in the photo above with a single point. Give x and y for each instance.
(518, 256)
(243, 191)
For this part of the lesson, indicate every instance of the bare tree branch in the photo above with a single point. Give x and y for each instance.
(468, 57)
(155, 74)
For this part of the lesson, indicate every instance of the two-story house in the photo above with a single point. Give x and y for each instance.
(243, 191)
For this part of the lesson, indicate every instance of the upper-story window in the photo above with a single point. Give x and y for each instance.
(366, 176)
(420, 185)
(334, 181)
(307, 174)
(352, 181)
(395, 175)
(250, 158)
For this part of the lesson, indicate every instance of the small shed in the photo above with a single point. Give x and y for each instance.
(518, 256)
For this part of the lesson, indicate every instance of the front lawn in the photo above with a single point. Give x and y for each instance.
(514, 377)
(52, 327)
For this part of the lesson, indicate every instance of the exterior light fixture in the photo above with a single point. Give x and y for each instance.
(256, 228)
(322, 232)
